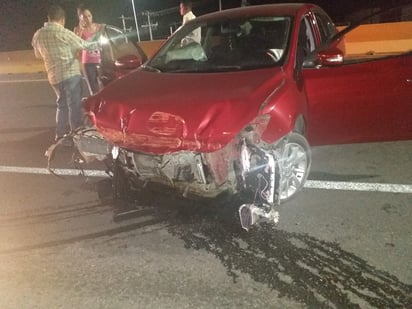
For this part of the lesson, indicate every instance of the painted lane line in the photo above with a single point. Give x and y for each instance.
(310, 184)
(358, 186)
(45, 171)
(22, 81)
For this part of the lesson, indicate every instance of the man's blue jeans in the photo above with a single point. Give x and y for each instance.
(69, 114)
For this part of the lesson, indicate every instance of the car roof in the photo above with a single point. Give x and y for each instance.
(285, 9)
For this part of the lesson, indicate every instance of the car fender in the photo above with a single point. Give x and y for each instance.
(284, 106)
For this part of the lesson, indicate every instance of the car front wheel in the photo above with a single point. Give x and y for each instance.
(294, 160)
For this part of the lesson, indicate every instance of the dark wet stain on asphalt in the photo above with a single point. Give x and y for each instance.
(338, 177)
(390, 209)
(316, 273)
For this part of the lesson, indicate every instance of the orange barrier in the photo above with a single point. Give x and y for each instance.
(150, 47)
(379, 38)
(22, 61)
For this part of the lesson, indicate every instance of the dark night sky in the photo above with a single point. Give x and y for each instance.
(19, 19)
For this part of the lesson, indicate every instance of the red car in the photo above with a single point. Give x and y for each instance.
(232, 101)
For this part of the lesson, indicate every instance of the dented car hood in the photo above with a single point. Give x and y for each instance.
(161, 113)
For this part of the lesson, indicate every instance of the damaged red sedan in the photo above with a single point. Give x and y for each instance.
(232, 101)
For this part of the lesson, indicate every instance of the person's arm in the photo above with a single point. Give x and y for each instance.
(79, 43)
(34, 44)
(77, 31)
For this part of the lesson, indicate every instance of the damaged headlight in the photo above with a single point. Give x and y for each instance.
(253, 131)
(115, 152)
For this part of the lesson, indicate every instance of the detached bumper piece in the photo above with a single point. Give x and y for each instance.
(91, 145)
(88, 146)
(251, 214)
(262, 182)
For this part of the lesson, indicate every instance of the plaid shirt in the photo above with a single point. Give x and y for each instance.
(58, 48)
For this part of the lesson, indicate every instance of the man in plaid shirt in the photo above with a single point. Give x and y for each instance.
(58, 47)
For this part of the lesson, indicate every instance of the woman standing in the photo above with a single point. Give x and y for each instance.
(90, 59)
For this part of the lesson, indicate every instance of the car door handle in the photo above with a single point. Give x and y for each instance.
(409, 80)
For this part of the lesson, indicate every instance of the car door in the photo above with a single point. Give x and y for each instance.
(368, 95)
(120, 54)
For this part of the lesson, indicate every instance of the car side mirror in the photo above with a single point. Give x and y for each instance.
(128, 62)
(330, 57)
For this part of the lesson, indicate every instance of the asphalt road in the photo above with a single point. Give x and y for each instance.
(348, 245)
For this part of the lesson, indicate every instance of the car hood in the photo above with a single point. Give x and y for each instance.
(164, 112)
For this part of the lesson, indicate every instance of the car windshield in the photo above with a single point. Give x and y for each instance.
(225, 45)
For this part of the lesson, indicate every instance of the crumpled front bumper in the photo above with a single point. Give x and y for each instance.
(91, 145)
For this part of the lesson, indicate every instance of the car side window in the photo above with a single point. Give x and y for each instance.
(116, 36)
(310, 37)
(120, 44)
(326, 27)
(306, 42)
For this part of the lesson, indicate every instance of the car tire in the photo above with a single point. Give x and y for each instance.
(295, 160)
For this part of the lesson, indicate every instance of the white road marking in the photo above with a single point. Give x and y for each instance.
(45, 171)
(358, 186)
(22, 81)
(311, 184)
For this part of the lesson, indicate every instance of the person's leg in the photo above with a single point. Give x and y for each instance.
(86, 77)
(91, 75)
(73, 93)
(62, 111)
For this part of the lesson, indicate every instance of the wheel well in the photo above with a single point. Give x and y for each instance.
(300, 126)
